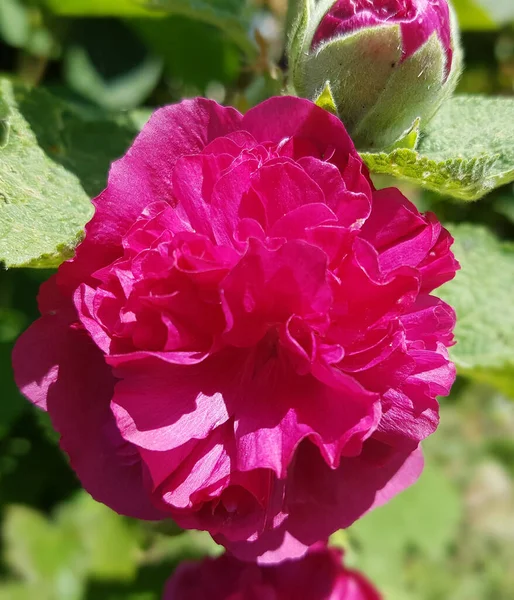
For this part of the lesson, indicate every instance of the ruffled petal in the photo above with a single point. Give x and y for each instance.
(277, 409)
(268, 286)
(78, 388)
(270, 548)
(187, 402)
(322, 500)
(281, 118)
(143, 176)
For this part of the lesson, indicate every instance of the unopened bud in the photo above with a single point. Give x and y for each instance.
(387, 63)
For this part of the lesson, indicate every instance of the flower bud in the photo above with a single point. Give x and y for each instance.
(386, 63)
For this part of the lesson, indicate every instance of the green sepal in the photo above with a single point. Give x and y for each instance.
(326, 100)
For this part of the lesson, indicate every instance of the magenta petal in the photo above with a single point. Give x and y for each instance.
(35, 372)
(232, 200)
(50, 300)
(431, 320)
(371, 298)
(245, 342)
(266, 286)
(232, 144)
(278, 119)
(406, 475)
(289, 549)
(283, 187)
(319, 575)
(36, 362)
(418, 20)
(436, 18)
(345, 494)
(219, 579)
(109, 468)
(434, 371)
(401, 235)
(193, 180)
(234, 509)
(277, 413)
(351, 206)
(406, 422)
(271, 547)
(203, 473)
(440, 265)
(298, 223)
(187, 403)
(143, 175)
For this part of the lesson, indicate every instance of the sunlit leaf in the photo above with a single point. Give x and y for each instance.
(454, 155)
(52, 162)
(481, 294)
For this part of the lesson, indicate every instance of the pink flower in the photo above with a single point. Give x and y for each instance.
(418, 20)
(245, 340)
(320, 575)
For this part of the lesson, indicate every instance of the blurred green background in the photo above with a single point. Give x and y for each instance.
(449, 537)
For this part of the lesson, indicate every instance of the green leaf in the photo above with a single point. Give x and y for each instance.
(481, 294)
(297, 21)
(188, 544)
(409, 139)
(44, 423)
(20, 591)
(51, 162)
(229, 15)
(84, 539)
(108, 542)
(12, 404)
(465, 151)
(472, 16)
(101, 8)
(14, 25)
(23, 26)
(109, 65)
(41, 553)
(505, 206)
(175, 39)
(483, 15)
(501, 11)
(425, 517)
(12, 322)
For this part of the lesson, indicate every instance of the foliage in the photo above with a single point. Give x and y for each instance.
(441, 538)
(453, 156)
(225, 14)
(84, 543)
(482, 297)
(53, 161)
(484, 14)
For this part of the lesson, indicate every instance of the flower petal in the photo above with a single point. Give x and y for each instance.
(78, 388)
(187, 402)
(280, 118)
(322, 500)
(143, 176)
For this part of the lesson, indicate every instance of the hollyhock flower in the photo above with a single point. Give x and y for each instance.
(245, 341)
(387, 63)
(320, 575)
